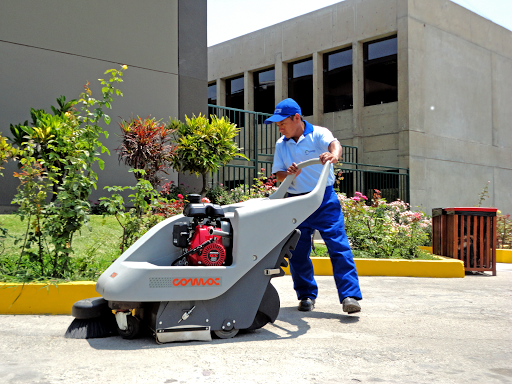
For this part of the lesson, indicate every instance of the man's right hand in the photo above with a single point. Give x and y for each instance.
(292, 170)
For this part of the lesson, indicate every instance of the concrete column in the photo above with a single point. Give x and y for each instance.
(248, 91)
(318, 88)
(358, 95)
(403, 91)
(221, 92)
(193, 62)
(281, 73)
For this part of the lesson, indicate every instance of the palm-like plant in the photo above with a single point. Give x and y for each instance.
(146, 146)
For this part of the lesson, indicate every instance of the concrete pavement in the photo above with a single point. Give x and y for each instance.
(411, 330)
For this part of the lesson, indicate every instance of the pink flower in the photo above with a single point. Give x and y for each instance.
(356, 198)
(180, 196)
(205, 200)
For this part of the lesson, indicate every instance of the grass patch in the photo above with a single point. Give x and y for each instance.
(321, 251)
(94, 248)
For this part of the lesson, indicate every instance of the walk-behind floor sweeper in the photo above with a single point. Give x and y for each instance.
(204, 272)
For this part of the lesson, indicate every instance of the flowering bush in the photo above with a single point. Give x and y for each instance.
(504, 231)
(263, 186)
(218, 194)
(384, 230)
(167, 208)
(171, 190)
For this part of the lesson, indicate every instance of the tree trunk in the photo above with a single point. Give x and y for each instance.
(203, 191)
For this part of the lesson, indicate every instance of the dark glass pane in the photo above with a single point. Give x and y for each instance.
(339, 59)
(300, 85)
(382, 48)
(237, 85)
(266, 76)
(380, 72)
(338, 81)
(212, 94)
(235, 99)
(235, 93)
(304, 68)
(264, 91)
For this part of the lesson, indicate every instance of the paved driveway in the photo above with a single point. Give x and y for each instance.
(411, 330)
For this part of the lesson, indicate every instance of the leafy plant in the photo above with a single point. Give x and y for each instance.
(204, 145)
(484, 194)
(57, 154)
(145, 145)
(7, 152)
(137, 220)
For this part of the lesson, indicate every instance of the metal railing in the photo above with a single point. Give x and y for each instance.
(391, 182)
(257, 142)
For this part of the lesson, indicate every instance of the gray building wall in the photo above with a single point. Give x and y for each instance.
(460, 122)
(52, 48)
(451, 125)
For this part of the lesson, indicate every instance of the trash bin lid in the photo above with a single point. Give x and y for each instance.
(477, 211)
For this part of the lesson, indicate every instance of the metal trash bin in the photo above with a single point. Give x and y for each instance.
(467, 234)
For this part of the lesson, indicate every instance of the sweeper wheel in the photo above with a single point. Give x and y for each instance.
(268, 310)
(133, 328)
(221, 334)
(260, 320)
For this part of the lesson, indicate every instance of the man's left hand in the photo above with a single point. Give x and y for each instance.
(328, 156)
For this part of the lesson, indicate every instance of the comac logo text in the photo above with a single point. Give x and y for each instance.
(195, 282)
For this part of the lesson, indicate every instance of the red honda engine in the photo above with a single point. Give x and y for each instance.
(211, 254)
(206, 239)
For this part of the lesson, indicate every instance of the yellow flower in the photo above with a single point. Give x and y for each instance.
(125, 67)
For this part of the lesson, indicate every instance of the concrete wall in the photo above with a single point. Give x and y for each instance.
(452, 123)
(460, 68)
(349, 23)
(52, 48)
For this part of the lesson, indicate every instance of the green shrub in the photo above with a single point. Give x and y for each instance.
(204, 145)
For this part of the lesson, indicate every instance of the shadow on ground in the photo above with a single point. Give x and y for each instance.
(290, 324)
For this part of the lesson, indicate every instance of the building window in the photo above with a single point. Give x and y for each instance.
(264, 91)
(235, 92)
(300, 84)
(212, 93)
(338, 80)
(235, 99)
(380, 71)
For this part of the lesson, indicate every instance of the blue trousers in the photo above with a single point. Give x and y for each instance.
(328, 220)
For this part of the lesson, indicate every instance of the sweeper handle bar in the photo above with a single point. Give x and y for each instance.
(283, 188)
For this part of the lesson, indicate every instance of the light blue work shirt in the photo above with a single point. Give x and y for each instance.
(314, 141)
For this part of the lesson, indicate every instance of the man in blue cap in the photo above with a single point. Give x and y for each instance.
(303, 141)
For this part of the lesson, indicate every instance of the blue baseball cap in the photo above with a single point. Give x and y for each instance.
(286, 108)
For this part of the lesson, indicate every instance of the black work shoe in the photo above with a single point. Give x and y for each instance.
(306, 305)
(351, 305)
